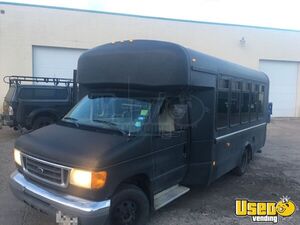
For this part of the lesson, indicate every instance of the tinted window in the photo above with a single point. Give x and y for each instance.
(245, 106)
(26, 93)
(261, 102)
(235, 104)
(223, 83)
(253, 102)
(253, 115)
(234, 108)
(43, 93)
(246, 86)
(222, 113)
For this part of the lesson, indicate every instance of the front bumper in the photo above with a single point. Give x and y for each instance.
(52, 202)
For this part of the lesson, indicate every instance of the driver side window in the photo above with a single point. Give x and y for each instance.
(172, 116)
(166, 122)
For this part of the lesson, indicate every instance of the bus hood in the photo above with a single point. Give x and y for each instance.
(75, 147)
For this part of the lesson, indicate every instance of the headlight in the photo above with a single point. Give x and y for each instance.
(18, 157)
(88, 179)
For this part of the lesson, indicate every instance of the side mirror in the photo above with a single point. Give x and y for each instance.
(270, 108)
(270, 111)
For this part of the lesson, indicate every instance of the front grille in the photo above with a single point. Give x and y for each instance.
(46, 171)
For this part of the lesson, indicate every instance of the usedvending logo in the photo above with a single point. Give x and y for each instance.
(265, 211)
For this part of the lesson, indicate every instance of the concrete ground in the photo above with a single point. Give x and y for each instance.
(273, 173)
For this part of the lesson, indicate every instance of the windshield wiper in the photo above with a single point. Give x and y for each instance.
(112, 125)
(72, 119)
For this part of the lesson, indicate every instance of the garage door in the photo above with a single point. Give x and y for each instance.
(55, 62)
(283, 86)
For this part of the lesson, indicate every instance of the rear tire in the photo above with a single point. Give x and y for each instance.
(42, 121)
(241, 169)
(130, 206)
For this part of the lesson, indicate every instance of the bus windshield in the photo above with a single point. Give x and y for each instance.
(125, 114)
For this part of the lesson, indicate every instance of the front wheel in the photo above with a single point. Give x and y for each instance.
(130, 206)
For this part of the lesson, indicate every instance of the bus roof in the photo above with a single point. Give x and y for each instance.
(215, 65)
(152, 63)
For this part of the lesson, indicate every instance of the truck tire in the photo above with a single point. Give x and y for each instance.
(243, 165)
(130, 206)
(42, 121)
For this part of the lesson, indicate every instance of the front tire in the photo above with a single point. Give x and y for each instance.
(130, 206)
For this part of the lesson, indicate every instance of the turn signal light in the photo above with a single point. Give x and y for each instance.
(88, 179)
(98, 179)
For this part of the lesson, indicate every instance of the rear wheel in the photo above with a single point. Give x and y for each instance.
(42, 121)
(243, 165)
(130, 206)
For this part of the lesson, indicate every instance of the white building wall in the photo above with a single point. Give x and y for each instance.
(22, 27)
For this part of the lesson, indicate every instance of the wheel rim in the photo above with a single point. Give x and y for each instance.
(125, 213)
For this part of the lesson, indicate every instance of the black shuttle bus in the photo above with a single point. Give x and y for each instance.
(153, 119)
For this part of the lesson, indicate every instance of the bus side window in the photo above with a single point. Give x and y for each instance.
(222, 103)
(253, 102)
(261, 102)
(245, 102)
(235, 103)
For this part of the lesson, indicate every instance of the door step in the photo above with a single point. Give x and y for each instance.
(165, 197)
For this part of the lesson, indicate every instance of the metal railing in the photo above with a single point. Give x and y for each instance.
(18, 80)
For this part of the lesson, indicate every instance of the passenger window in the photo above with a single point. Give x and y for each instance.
(223, 84)
(223, 103)
(43, 93)
(50, 93)
(245, 102)
(253, 102)
(235, 103)
(261, 102)
(26, 93)
(61, 94)
(172, 116)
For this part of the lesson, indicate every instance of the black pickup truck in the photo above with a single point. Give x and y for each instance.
(34, 102)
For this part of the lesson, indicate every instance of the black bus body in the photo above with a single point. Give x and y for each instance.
(154, 118)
